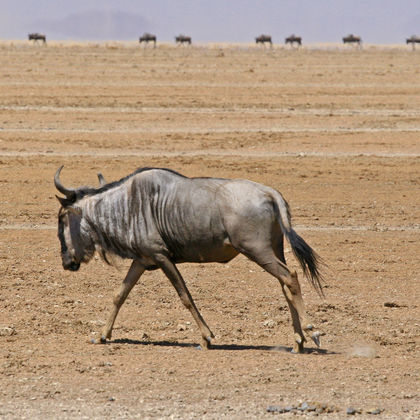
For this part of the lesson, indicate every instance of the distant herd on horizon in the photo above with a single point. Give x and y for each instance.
(292, 40)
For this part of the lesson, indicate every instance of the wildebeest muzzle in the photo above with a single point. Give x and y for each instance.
(72, 266)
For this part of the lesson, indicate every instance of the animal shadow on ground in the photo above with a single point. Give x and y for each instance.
(226, 347)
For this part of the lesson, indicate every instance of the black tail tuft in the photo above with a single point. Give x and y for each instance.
(308, 259)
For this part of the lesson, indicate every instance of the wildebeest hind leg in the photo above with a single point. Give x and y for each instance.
(291, 290)
(177, 281)
(132, 277)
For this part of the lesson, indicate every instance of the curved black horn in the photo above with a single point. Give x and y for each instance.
(69, 193)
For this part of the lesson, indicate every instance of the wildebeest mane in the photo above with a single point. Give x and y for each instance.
(89, 191)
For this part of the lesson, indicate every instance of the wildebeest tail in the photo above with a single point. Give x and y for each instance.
(308, 259)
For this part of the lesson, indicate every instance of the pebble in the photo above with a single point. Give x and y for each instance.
(352, 411)
(275, 409)
(304, 406)
(290, 408)
(318, 409)
(7, 331)
(374, 411)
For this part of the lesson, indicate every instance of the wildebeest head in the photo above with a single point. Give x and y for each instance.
(76, 244)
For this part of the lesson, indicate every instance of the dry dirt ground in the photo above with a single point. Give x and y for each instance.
(337, 131)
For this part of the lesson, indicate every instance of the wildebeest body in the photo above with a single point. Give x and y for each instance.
(181, 39)
(187, 218)
(158, 218)
(413, 40)
(37, 37)
(292, 39)
(146, 38)
(262, 39)
(352, 39)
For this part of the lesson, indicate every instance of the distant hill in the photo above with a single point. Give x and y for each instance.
(95, 25)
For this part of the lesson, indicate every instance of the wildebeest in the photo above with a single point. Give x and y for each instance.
(293, 39)
(262, 39)
(183, 39)
(352, 39)
(146, 38)
(37, 37)
(158, 218)
(413, 40)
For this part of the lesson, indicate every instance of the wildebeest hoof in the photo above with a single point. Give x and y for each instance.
(206, 343)
(298, 346)
(102, 340)
(316, 338)
(298, 339)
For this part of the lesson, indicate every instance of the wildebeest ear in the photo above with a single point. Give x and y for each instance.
(101, 178)
(64, 201)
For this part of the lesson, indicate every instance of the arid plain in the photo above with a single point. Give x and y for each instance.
(336, 130)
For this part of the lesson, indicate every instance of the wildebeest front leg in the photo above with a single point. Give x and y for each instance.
(177, 281)
(133, 275)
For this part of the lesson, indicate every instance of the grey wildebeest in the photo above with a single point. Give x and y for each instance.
(352, 39)
(293, 39)
(262, 39)
(413, 40)
(146, 38)
(158, 218)
(183, 39)
(37, 37)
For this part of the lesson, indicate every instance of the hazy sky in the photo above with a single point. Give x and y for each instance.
(376, 21)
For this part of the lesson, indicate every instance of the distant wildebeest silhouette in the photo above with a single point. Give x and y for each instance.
(182, 39)
(37, 37)
(352, 39)
(146, 38)
(293, 39)
(262, 39)
(413, 40)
